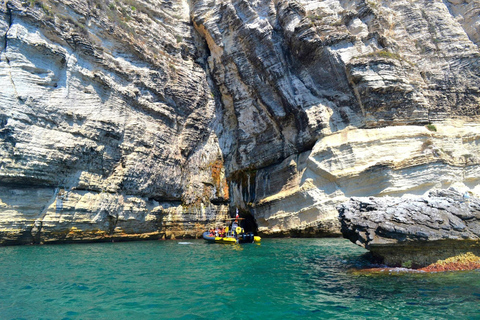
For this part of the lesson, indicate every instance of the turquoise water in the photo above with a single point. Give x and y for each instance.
(279, 279)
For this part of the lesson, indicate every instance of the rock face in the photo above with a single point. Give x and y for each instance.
(128, 118)
(414, 231)
(105, 126)
(362, 162)
(328, 99)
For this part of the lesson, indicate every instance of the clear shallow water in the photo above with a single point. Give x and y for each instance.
(279, 279)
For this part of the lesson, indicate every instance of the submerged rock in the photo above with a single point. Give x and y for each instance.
(466, 261)
(413, 231)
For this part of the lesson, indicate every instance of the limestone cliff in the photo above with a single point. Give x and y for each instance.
(150, 118)
(106, 116)
(330, 99)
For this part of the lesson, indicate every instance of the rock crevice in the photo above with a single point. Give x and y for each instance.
(4, 53)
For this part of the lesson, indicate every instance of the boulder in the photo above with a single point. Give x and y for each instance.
(413, 231)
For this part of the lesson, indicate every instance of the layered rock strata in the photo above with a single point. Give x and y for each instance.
(414, 231)
(326, 97)
(130, 117)
(354, 162)
(105, 123)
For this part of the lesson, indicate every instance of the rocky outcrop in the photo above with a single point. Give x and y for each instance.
(354, 162)
(128, 117)
(414, 231)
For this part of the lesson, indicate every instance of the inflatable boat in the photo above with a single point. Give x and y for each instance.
(234, 234)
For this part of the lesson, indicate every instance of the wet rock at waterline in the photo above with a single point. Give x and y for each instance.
(413, 231)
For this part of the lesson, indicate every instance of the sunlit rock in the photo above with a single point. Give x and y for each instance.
(414, 231)
(168, 114)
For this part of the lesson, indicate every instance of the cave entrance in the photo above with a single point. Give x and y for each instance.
(248, 223)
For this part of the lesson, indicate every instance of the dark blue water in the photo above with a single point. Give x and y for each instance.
(279, 279)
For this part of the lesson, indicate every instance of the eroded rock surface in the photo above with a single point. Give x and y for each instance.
(128, 117)
(105, 122)
(322, 99)
(414, 231)
(354, 162)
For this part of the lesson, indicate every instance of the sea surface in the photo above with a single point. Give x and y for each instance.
(191, 279)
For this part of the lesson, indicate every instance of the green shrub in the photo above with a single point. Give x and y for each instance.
(407, 264)
(384, 53)
(431, 127)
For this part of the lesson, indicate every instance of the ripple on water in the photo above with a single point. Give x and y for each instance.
(279, 279)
